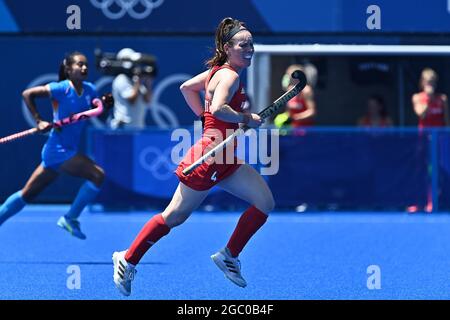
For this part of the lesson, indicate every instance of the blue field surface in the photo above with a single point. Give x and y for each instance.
(294, 256)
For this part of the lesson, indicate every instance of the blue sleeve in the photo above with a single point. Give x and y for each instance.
(57, 90)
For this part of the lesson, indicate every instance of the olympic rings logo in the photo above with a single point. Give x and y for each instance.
(157, 162)
(126, 6)
(158, 109)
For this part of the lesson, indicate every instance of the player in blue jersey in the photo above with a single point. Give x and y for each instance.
(60, 153)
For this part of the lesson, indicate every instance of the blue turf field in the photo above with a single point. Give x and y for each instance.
(294, 256)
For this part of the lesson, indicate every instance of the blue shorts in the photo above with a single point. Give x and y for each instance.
(54, 156)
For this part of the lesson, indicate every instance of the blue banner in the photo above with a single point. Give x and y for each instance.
(171, 16)
(319, 169)
(138, 16)
(353, 169)
(153, 170)
(138, 170)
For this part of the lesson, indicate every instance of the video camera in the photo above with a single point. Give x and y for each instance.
(135, 64)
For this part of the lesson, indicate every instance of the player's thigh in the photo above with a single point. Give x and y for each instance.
(83, 167)
(184, 201)
(247, 184)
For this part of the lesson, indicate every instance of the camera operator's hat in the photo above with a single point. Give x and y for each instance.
(128, 54)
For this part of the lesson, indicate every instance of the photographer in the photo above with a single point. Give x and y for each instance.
(132, 94)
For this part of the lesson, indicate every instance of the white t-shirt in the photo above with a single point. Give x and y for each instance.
(130, 115)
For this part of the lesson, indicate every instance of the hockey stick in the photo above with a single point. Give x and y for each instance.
(264, 114)
(60, 123)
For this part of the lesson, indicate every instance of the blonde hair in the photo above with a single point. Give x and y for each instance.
(294, 67)
(287, 80)
(308, 68)
(428, 74)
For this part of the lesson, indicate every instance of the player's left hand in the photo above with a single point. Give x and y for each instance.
(108, 100)
(254, 120)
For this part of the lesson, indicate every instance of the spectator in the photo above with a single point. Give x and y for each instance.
(431, 107)
(132, 96)
(302, 108)
(376, 113)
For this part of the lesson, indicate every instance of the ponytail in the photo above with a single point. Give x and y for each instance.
(227, 28)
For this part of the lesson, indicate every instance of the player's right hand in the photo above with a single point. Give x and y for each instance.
(43, 126)
(254, 121)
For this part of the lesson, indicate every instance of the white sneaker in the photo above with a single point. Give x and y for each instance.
(230, 266)
(123, 273)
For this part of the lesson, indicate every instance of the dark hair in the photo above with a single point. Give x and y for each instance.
(227, 28)
(67, 62)
(380, 100)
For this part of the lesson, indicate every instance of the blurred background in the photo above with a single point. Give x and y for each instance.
(359, 148)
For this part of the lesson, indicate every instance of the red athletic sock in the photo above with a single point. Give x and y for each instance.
(251, 220)
(153, 230)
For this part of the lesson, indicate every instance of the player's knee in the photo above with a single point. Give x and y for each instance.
(266, 204)
(175, 217)
(98, 177)
(28, 195)
(271, 204)
(173, 221)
